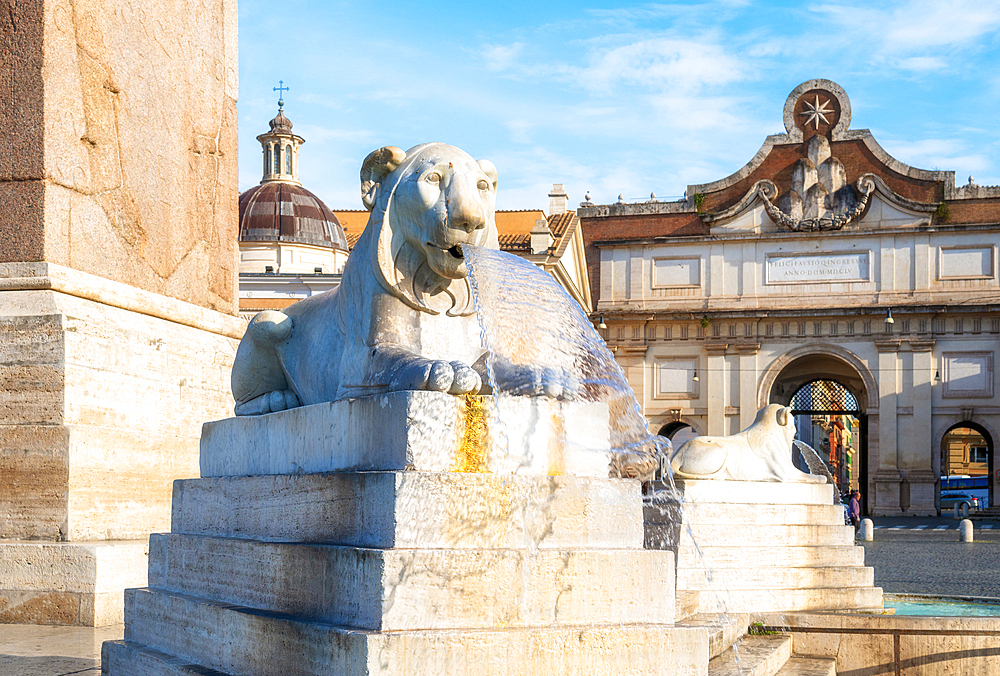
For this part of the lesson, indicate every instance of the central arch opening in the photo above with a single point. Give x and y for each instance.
(828, 418)
(829, 399)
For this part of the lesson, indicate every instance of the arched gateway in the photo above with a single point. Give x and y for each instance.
(829, 390)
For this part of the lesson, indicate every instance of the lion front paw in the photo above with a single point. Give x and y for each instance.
(272, 402)
(452, 377)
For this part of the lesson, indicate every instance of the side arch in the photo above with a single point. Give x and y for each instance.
(957, 421)
(992, 442)
(679, 423)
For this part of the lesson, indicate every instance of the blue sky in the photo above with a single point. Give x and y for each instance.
(614, 98)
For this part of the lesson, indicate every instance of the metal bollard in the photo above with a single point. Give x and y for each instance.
(965, 531)
(867, 530)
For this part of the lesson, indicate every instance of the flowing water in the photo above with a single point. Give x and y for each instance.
(528, 320)
(539, 342)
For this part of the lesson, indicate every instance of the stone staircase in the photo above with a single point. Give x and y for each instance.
(405, 573)
(734, 652)
(421, 573)
(757, 547)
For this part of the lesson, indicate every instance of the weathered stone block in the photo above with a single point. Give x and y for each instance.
(423, 431)
(236, 640)
(397, 589)
(68, 583)
(415, 509)
(118, 148)
(101, 402)
(755, 546)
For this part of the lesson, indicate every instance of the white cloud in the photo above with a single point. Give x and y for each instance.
(919, 24)
(680, 64)
(319, 134)
(519, 130)
(923, 28)
(501, 57)
(938, 154)
(922, 63)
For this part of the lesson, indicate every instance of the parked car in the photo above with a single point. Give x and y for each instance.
(949, 500)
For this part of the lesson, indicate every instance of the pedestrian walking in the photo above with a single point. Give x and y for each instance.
(854, 510)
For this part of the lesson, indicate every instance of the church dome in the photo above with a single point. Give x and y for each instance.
(278, 211)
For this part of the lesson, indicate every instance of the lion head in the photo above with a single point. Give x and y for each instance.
(774, 427)
(426, 203)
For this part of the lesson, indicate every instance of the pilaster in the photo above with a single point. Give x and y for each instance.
(716, 389)
(916, 459)
(748, 383)
(887, 479)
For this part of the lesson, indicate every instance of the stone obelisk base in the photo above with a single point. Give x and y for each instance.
(103, 388)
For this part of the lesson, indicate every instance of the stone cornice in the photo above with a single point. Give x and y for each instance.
(53, 277)
(922, 345)
(887, 345)
(796, 234)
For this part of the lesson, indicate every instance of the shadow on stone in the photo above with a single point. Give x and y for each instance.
(48, 665)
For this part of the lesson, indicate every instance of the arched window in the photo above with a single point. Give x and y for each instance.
(288, 159)
(277, 158)
(267, 159)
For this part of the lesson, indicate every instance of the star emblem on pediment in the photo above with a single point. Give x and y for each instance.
(817, 112)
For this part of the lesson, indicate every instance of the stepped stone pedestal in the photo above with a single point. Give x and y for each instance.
(387, 569)
(747, 546)
(103, 388)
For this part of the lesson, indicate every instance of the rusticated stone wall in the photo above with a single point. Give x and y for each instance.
(118, 141)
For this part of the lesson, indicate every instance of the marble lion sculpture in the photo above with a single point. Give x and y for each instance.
(402, 318)
(762, 452)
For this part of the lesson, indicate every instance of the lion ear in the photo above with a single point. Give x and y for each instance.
(379, 164)
(490, 170)
(783, 415)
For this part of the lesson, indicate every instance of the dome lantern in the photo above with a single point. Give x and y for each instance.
(280, 147)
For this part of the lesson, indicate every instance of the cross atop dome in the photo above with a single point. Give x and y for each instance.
(281, 88)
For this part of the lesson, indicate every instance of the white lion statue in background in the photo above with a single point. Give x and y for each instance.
(761, 452)
(402, 318)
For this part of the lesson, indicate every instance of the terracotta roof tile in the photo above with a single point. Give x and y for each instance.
(513, 227)
(515, 243)
(517, 222)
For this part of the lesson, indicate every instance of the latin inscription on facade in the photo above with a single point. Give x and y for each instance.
(851, 266)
